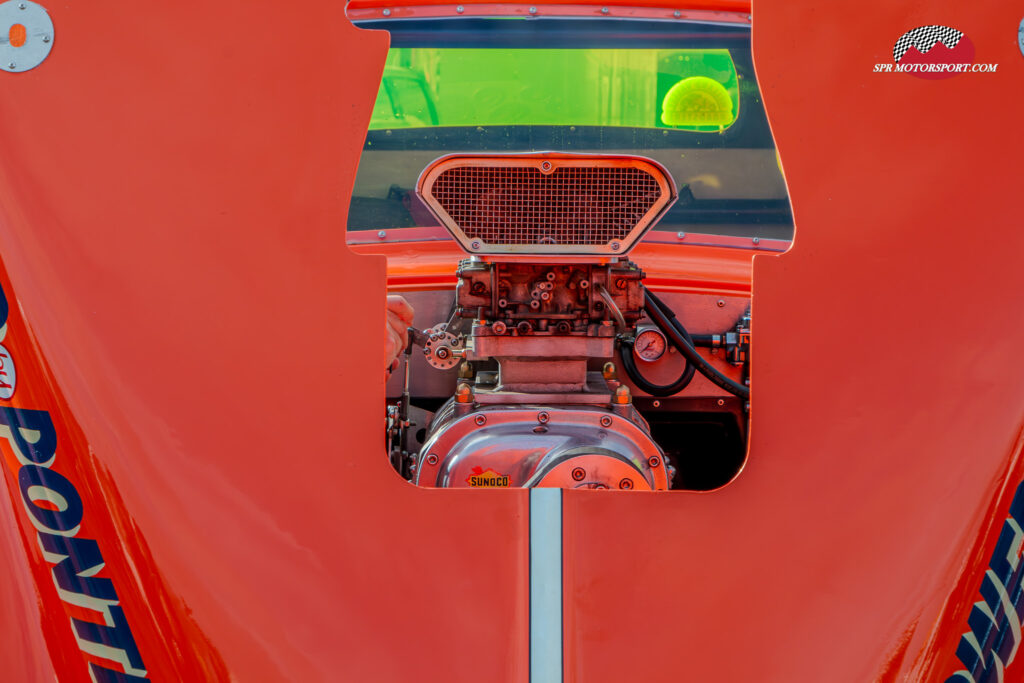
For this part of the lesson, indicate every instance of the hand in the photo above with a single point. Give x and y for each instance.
(399, 318)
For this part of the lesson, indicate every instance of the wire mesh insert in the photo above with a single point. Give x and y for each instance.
(520, 205)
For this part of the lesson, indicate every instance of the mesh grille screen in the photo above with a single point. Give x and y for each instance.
(583, 206)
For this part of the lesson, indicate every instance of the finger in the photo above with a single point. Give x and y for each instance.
(399, 328)
(400, 307)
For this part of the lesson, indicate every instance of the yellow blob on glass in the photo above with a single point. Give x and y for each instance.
(697, 101)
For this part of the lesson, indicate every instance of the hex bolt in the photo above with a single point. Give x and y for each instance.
(654, 461)
(431, 459)
(626, 484)
(721, 302)
(480, 420)
(543, 417)
(578, 473)
(606, 421)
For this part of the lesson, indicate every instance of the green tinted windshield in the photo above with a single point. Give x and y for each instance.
(638, 88)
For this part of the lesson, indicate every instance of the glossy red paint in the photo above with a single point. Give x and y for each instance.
(185, 308)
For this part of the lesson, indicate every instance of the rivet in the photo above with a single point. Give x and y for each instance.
(656, 403)
(626, 484)
(21, 6)
(578, 473)
(46, 39)
(681, 235)
(460, 9)
(381, 234)
(606, 421)
(533, 10)
(11, 65)
(677, 14)
(475, 245)
(756, 240)
(480, 420)
(604, 10)
(431, 459)
(721, 302)
(616, 246)
(543, 417)
(387, 13)
(654, 461)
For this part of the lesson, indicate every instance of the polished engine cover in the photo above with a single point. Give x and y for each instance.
(515, 445)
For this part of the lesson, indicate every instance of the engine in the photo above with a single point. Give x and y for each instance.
(538, 307)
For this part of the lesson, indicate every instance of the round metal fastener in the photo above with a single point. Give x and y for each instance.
(606, 421)
(677, 14)
(480, 420)
(543, 417)
(431, 459)
(604, 10)
(756, 240)
(721, 401)
(460, 9)
(381, 234)
(578, 473)
(616, 246)
(545, 167)
(654, 461)
(475, 244)
(721, 302)
(387, 13)
(656, 403)
(533, 10)
(626, 484)
(499, 327)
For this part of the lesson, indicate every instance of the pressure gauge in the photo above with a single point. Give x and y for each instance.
(650, 345)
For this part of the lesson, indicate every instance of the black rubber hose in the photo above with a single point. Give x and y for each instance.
(659, 390)
(663, 317)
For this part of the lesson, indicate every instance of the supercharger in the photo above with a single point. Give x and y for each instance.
(538, 305)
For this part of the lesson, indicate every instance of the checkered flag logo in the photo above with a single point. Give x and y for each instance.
(924, 39)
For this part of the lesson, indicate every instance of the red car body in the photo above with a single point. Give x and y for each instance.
(185, 313)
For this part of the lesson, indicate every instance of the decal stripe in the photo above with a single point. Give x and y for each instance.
(545, 585)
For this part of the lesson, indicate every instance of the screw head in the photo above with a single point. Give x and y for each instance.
(543, 417)
(654, 461)
(474, 245)
(480, 420)
(721, 303)
(626, 484)
(578, 473)
(431, 459)
(616, 246)
(11, 65)
(46, 39)
(606, 421)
